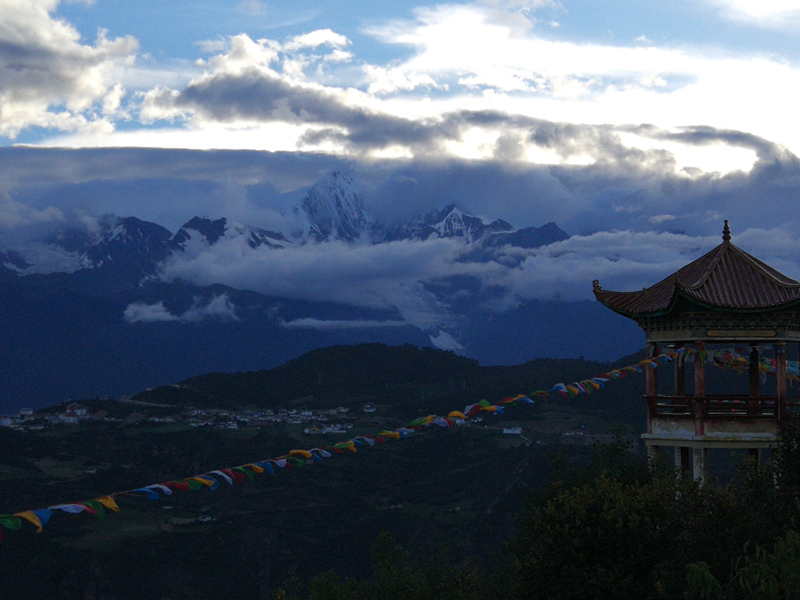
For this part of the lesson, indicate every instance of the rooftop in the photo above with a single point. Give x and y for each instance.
(727, 277)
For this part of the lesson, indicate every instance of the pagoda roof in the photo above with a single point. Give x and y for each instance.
(725, 278)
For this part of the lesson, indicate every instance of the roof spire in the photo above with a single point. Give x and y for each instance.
(726, 232)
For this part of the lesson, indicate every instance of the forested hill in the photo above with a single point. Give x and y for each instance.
(405, 377)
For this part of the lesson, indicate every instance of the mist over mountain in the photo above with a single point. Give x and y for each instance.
(112, 305)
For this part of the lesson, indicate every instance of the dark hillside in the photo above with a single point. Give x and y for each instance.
(411, 380)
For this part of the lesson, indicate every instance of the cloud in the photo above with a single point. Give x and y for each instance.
(308, 93)
(779, 14)
(424, 280)
(15, 214)
(139, 312)
(49, 79)
(469, 85)
(311, 323)
(316, 38)
(621, 186)
(219, 307)
(445, 341)
(476, 88)
(385, 275)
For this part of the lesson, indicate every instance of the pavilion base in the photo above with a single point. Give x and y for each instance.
(691, 453)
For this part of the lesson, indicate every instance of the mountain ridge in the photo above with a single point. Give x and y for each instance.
(110, 307)
(331, 210)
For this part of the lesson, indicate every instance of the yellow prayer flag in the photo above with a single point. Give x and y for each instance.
(108, 502)
(31, 516)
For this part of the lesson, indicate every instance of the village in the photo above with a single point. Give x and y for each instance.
(318, 421)
(558, 427)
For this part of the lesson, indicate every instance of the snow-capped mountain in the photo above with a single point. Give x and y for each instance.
(449, 222)
(208, 232)
(333, 209)
(128, 246)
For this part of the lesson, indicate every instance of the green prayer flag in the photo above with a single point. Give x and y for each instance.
(10, 522)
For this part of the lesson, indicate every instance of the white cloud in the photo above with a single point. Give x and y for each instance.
(139, 312)
(15, 214)
(285, 96)
(405, 275)
(316, 38)
(48, 78)
(463, 59)
(387, 80)
(445, 341)
(770, 13)
(385, 275)
(570, 82)
(219, 307)
(521, 4)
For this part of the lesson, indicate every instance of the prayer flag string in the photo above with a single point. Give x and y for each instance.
(730, 358)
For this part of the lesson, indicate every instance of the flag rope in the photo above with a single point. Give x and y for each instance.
(730, 358)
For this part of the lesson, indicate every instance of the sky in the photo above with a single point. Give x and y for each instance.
(636, 126)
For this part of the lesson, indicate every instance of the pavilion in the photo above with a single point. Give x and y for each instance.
(726, 298)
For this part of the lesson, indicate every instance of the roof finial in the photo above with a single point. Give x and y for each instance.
(726, 232)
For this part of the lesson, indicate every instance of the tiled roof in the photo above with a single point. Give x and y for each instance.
(726, 277)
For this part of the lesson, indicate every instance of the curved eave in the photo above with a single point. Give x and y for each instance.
(727, 309)
(679, 293)
(602, 297)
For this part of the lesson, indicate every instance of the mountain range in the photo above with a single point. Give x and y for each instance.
(113, 305)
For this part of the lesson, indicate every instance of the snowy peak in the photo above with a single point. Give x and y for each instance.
(449, 222)
(113, 239)
(129, 247)
(123, 237)
(208, 232)
(334, 210)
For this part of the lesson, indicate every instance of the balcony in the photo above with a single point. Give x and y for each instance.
(716, 406)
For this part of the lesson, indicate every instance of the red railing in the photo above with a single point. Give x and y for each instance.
(721, 406)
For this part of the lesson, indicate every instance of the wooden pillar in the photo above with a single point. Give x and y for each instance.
(651, 375)
(680, 376)
(685, 460)
(652, 411)
(683, 464)
(699, 408)
(700, 456)
(700, 370)
(780, 381)
(652, 456)
(753, 407)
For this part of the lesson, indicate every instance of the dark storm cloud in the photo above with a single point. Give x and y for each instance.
(254, 95)
(625, 188)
